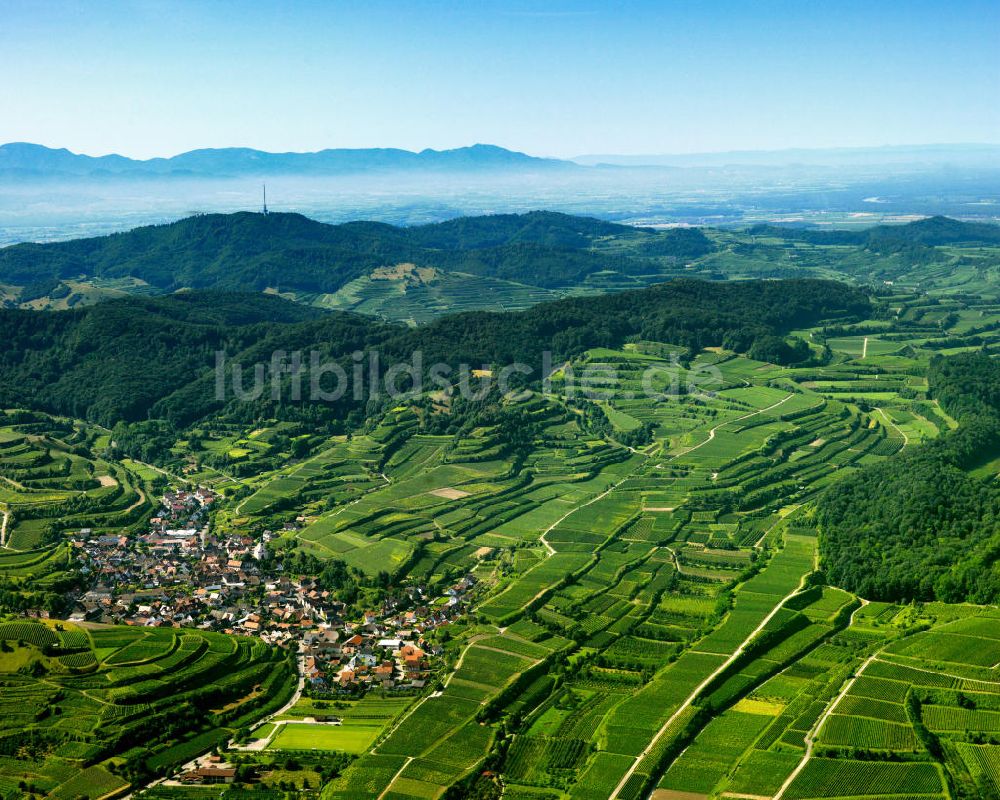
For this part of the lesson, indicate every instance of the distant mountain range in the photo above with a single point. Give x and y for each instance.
(26, 161)
(32, 161)
(955, 155)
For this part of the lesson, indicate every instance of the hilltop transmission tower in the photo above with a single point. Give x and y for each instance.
(265, 199)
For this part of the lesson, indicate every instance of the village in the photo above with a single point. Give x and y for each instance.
(181, 574)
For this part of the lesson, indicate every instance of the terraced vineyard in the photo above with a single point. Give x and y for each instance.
(57, 477)
(53, 480)
(415, 295)
(84, 711)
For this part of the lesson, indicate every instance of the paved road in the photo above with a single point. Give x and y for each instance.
(260, 744)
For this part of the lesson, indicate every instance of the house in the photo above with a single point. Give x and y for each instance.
(209, 775)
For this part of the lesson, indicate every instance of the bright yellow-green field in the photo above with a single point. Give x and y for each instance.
(321, 736)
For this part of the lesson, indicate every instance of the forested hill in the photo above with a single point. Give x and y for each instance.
(290, 252)
(923, 525)
(930, 232)
(115, 360)
(136, 358)
(546, 228)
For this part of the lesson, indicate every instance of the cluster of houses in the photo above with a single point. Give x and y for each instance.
(181, 574)
(386, 648)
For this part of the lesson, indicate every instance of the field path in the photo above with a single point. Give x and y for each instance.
(399, 772)
(275, 476)
(194, 763)
(814, 732)
(294, 471)
(12, 482)
(3, 529)
(677, 563)
(760, 541)
(165, 473)
(889, 420)
(374, 751)
(551, 551)
(864, 348)
(137, 503)
(473, 642)
(718, 671)
(859, 608)
(711, 433)
(937, 672)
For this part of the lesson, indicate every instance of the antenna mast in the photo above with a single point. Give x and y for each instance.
(265, 199)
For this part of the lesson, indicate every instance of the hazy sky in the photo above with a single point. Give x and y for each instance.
(157, 77)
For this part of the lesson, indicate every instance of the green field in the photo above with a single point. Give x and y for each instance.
(309, 736)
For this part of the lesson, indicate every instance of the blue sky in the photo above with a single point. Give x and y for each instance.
(157, 77)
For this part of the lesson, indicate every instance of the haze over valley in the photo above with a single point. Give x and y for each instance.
(47, 195)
